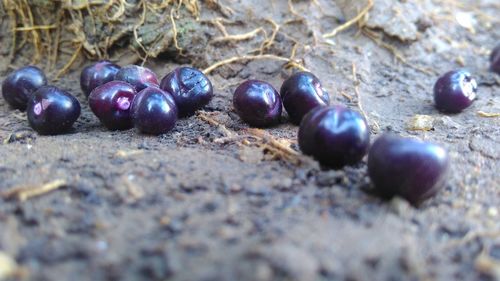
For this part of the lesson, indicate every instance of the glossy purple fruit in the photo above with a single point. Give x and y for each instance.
(257, 103)
(302, 92)
(455, 91)
(111, 103)
(52, 110)
(412, 169)
(334, 135)
(97, 74)
(495, 59)
(154, 111)
(190, 88)
(18, 86)
(137, 76)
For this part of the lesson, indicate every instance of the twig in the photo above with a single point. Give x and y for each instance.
(488, 114)
(205, 117)
(238, 37)
(136, 26)
(268, 142)
(36, 27)
(261, 139)
(216, 65)
(269, 42)
(174, 30)
(25, 193)
(70, 62)
(370, 34)
(358, 97)
(294, 12)
(350, 22)
(266, 136)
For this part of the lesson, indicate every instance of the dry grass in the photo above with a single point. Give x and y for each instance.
(23, 193)
(278, 149)
(91, 28)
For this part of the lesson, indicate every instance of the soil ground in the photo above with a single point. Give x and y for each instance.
(199, 204)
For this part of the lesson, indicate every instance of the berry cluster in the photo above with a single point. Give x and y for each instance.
(132, 96)
(50, 110)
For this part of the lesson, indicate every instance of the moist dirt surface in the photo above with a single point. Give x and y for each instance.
(210, 200)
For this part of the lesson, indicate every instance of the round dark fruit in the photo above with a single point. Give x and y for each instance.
(111, 103)
(18, 86)
(495, 59)
(137, 76)
(190, 88)
(52, 110)
(455, 91)
(412, 169)
(257, 103)
(97, 74)
(302, 92)
(154, 111)
(334, 135)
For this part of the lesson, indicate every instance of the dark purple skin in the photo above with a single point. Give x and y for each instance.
(137, 76)
(18, 86)
(97, 74)
(412, 169)
(191, 89)
(302, 92)
(111, 103)
(257, 103)
(154, 111)
(52, 110)
(495, 59)
(454, 91)
(334, 135)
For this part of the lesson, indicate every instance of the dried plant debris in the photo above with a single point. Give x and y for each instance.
(421, 122)
(396, 18)
(8, 266)
(23, 193)
(46, 30)
(271, 147)
(488, 114)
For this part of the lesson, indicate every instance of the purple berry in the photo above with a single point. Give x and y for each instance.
(257, 103)
(454, 91)
(111, 103)
(334, 135)
(97, 74)
(154, 111)
(495, 59)
(52, 111)
(18, 87)
(302, 92)
(190, 88)
(412, 169)
(137, 76)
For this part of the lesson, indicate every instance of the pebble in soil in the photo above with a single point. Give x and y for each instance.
(97, 74)
(257, 103)
(190, 88)
(455, 91)
(302, 92)
(410, 168)
(154, 111)
(111, 103)
(18, 87)
(334, 135)
(52, 111)
(137, 76)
